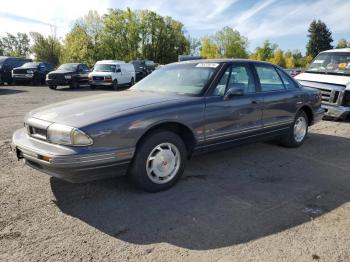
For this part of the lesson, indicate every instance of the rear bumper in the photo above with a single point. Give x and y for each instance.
(68, 163)
(338, 112)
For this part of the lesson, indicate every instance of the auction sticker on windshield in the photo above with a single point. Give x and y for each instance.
(211, 65)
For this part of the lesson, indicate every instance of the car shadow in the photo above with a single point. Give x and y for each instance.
(225, 198)
(5, 91)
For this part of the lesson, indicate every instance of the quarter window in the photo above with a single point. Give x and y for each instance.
(287, 81)
(269, 78)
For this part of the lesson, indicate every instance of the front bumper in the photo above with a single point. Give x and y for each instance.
(338, 112)
(23, 77)
(72, 164)
(100, 83)
(58, 82)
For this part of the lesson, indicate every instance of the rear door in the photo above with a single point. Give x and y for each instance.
(239, 116)
(279, 102)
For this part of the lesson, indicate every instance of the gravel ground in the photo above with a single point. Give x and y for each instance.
(258, 202)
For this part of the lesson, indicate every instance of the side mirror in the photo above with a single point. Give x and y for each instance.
(118, 70)
(233, 91)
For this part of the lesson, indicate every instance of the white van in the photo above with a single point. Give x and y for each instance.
(112, 73)
(329, 72)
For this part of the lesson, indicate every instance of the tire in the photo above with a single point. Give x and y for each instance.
(53, 87)
(115, 85)
(74, 84)
(36, 81)
(147, 173)
(292, 139)
(132, 82)
(93, 87)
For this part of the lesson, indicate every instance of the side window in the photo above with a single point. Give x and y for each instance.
(221, 87)
(241, 77)
(287, 81)
(85, 67)
(269, 78)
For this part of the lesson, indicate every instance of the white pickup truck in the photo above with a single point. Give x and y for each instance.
(330, 73)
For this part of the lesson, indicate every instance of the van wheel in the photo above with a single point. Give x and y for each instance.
(159, 161)
(52, 87)
(115, 85)
(132, 82)
(297, 132)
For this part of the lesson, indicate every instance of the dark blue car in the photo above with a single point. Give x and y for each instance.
(179, 110)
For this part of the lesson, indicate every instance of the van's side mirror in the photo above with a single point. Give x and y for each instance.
(233, 91)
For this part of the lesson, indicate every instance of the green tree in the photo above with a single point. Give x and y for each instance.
(16, 45)
(342, 43)
(278, 58)
(46, 49)
(231, 44)
(265, 52)
(320, 38)
(209, 49)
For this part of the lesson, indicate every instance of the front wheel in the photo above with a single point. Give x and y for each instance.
(74, 84)
(53, 87)
(115, 85)
(298, 132)
(159, 161)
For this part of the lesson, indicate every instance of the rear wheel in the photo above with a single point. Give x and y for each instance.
(115, 85)
(298, 132)
(159, 161)
(132, 82)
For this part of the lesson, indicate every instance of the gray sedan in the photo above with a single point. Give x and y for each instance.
(150, 131)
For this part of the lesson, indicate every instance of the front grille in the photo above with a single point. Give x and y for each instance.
(329, 96)
(37, 132)
(98, 78)
(56, 76)
(20, 71)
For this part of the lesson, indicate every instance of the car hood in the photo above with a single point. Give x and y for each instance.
(323, 78)
(87, 110)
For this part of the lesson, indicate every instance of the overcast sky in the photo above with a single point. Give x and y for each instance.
(284, 22)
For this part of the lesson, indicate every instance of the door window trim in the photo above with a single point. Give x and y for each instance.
(258, 78)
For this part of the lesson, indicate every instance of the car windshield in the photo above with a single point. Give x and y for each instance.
(335, 63)
(68, 67)
(104, 68)
(183, 79)
(30, 65)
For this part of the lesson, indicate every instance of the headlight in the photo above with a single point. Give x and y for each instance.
(66, 135)
(68, 77)
(30, 72)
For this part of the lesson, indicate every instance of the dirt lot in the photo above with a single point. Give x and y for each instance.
(259, 202)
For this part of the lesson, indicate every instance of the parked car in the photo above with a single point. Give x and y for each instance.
(179, 110)
(7, 63)
(72, 74)
(32, 72)
(182, 58)
(329, 72)
(293, 72)
(112, 73)
(143, 68)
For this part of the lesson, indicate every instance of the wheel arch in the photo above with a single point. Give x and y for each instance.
(308, 111)
(182, 130)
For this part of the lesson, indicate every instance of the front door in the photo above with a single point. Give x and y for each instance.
(237, 116)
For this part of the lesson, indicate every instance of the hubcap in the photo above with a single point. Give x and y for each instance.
(300, 128)
(163, 163)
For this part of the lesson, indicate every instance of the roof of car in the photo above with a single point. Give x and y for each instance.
(337, 50)
(221, 60)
